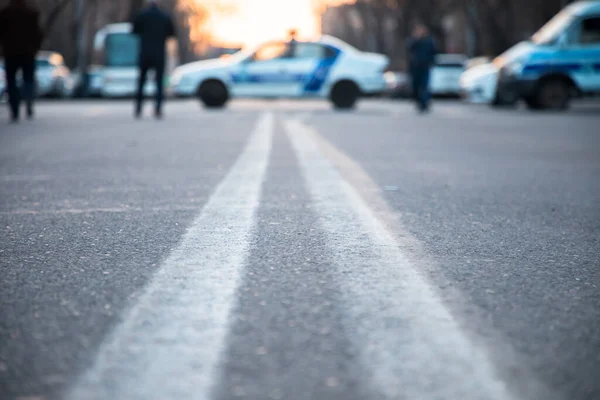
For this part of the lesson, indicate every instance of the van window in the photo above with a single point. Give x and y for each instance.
(121, 50)
(590, 31)
(42, 63)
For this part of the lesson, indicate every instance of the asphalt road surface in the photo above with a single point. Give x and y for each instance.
(281, 250)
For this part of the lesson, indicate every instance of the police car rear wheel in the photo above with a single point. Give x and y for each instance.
(344, 95)
(213, 94)
(553, 95)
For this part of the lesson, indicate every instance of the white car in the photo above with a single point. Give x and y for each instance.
(52, 76)
(326, 68)
(398, 84)
(479, 84)
(445, 75)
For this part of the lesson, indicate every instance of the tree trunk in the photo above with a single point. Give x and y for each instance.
(134, 7)
(54, 14)
(472, 39)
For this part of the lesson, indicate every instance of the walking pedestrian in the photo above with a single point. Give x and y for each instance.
(154, 27)
(422, 52)
(20, 39)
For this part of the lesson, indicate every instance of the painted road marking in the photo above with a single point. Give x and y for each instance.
(409, 341)
(170, 343)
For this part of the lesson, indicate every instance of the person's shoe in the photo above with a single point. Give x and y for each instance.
(137, 114)
(158, 114)
(30, 113)
(14, 119)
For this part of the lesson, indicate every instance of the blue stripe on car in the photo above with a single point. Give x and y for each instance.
(570, 56)
(266, 78)
(317, 79)
(571, 67)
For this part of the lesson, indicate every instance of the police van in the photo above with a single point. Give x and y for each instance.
(326, 68)
(561, 61)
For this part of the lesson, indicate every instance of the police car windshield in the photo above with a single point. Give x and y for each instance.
(550, 32)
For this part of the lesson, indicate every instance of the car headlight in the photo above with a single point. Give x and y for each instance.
(515, 68)
(96, 81)
(184, 80)
(512, 69)
(176, 78)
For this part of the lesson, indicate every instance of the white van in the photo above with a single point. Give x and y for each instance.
(562, 60)
(116, 60)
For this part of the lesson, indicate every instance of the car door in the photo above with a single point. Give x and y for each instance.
(583, 54)
(311, 67)
(266, 73)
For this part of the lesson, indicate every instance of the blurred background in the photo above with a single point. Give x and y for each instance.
(210, 28)
(89, 45)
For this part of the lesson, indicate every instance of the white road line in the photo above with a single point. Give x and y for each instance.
(410, 343)
(170, 342)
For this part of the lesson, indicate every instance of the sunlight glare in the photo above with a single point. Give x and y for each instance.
(257, 21)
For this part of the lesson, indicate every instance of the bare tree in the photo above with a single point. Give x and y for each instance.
(53, 14)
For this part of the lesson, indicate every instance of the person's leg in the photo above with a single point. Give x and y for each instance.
(29, 83)
(426, 90)
(11, 66)
(415, 88)
(159, 73)
(419, 91)
(139, 98)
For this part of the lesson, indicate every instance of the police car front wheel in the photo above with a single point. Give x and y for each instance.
(344, 95)
(553, 94)
(213, 94)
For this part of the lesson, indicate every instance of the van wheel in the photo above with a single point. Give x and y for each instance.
(553, 94)
(213, 94)
(344, 95)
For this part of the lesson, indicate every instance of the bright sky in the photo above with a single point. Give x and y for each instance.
(257, 21)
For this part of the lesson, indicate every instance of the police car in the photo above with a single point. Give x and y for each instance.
(562, 60)
(326, 68)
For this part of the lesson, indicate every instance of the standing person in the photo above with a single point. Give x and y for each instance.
(422, 52)
(20, 40)
(154, 27)
(292, 41)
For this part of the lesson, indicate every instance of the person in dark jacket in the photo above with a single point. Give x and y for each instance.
(20, 40)
(422, 52)
(154, 27)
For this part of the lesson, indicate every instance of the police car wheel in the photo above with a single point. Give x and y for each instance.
(553, 94)
(531, 102)
(213, 94)
(344, 95)
(505, 98)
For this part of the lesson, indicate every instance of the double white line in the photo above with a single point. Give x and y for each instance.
(409, 341)
(170, 343)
